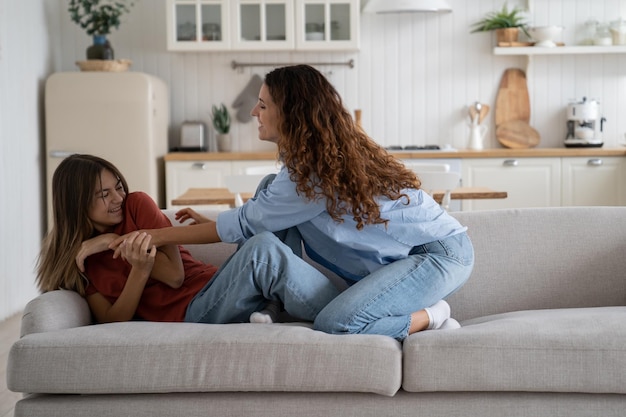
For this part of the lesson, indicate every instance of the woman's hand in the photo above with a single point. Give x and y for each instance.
(116, 244)
(188, 213)
(137, 251)
(94, 245)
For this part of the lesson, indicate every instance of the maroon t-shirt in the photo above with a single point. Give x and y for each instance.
(159, 302)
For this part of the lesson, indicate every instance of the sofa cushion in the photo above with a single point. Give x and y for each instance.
(144, 357)
(540, 258)
(561, 350)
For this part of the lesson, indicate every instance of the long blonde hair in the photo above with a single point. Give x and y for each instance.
(327, 154)
(74, 185)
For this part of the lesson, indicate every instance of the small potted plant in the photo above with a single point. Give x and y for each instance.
(98, 18)
(507, 24)
(221, 123)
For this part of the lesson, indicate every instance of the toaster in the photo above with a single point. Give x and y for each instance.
(192, 136)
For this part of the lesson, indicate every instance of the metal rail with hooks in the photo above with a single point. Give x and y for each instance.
(238, 65)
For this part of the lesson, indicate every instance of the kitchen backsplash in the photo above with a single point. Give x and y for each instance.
(413, 79)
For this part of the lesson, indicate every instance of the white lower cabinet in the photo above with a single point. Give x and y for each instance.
(593, 181)
(254, 167)
(182, 175)
(529, 182)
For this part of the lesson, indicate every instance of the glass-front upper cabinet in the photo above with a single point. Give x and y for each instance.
(327, 24)
(263, 24)
(198, 25)
(213, 25)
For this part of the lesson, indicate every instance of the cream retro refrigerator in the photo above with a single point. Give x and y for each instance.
(120, 116)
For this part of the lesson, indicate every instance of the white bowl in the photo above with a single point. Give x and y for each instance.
(545, 36)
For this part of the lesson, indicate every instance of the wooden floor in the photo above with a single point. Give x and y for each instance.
(9, 333)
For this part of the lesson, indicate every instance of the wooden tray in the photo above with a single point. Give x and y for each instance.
(111, 65)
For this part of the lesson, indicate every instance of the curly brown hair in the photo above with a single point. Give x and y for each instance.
(327, 154)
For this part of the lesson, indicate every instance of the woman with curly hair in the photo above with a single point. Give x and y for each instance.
(359, 211)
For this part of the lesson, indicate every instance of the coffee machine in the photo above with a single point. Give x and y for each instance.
(584, 124)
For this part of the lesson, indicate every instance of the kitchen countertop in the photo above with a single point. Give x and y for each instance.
(460, 153)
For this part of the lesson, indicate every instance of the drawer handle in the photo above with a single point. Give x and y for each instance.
(511, 163)
(596, 162)
(198, 165)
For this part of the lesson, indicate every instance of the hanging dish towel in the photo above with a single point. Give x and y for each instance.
(246, 100)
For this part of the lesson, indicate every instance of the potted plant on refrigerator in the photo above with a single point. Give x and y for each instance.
(506, 23)
(221, 123)
(99, 18)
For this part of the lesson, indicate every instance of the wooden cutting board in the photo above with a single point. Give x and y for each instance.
(512, 101)
(517, 134)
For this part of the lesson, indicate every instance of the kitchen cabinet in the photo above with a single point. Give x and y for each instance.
(263, 25)
(593, 181)
(268, 25)
(182, 175)
(198, 25)
(591, 177)
(243, 167)
(529, 182)
(327, 24)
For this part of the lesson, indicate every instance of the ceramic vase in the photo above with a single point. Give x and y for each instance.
(101, 48)
(224, 142)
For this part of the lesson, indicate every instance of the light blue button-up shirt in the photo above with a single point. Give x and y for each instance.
(349, 252)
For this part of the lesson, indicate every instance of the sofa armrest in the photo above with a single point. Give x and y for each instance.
(55, 310)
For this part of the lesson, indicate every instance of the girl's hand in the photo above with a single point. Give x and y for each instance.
(137, 251)
(94, 245)
(188, 213)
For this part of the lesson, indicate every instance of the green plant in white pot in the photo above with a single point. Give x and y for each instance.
(221, 123)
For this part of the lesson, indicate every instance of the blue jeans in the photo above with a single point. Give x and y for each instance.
(263, 268)
(382, 302)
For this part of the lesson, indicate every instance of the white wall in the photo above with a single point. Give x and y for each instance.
(414, 76)
(24, 61)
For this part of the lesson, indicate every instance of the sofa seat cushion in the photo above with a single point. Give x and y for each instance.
(146, 357)
(561, 350)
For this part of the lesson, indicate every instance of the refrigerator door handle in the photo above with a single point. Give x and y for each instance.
(60, 154)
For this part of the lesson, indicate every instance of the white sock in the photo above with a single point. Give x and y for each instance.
(450, 324)
(438, 313)
(261, 317)
(268, 315)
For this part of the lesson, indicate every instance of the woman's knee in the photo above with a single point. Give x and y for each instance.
(328, 321)
(261, 240)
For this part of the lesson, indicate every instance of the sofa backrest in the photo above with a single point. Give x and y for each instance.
(526, 259)
(538, 258)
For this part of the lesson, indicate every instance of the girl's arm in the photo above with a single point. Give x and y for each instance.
(96, 244)
(186, 235)
(140, 254)
(168, 266)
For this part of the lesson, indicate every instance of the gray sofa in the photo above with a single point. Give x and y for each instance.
(544, 334)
